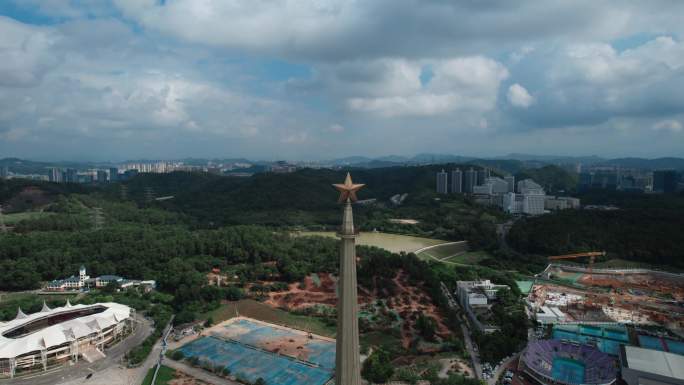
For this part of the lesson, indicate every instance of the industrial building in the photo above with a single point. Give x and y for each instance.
(54, 337)
(549, 315)
(641, 366)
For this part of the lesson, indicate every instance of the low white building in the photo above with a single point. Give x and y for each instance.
(71, 283)
(476, 296)
(83, 281)
(528, 186)
(550, 315)
(530, 203)
(533, 204)
(561, 203)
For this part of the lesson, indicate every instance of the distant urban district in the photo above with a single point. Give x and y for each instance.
(509, 270)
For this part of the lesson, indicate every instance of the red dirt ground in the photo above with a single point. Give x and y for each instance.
(409, 301)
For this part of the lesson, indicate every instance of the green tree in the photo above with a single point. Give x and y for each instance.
(208, 322)
(378, 368)
(427, 326)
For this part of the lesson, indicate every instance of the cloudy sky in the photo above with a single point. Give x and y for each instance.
(317, 79)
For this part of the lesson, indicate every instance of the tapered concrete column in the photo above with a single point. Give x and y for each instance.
(13, 366)
(347, 360)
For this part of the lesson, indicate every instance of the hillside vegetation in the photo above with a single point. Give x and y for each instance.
(646, 229)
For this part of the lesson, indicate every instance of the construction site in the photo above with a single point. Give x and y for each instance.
(580, 294)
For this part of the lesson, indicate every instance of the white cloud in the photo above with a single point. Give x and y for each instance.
(520, 54)
(668, 125)
(459, 84)
(205, 70)
(93, 80)
(519, 97)
(349, 29)
(26, 53)
(336, 128)
(591, 83)
(298, 137)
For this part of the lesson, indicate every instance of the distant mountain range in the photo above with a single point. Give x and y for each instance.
(512, 163)
(523, 161)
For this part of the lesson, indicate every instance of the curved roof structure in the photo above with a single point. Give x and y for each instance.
(545, 357)
(53, 327)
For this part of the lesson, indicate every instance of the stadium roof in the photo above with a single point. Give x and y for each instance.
(655, 362)
(59, 333)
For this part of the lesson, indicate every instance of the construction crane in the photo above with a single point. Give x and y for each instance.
(591, 254)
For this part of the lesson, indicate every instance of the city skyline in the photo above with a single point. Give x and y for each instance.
(174, 79)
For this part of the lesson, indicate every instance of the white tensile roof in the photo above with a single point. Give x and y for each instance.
(655, 361)
(62, 332)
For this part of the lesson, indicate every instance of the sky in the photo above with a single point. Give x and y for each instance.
(320, 79)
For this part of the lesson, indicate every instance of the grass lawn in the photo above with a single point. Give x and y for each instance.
(11, 219)
(262, 312)
(395, 243)
(621, 263)
(22, 296)
(386, 341)
(455, 253)
(164, 376)
(469, 258)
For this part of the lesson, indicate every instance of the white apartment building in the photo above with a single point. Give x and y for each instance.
(561, 203)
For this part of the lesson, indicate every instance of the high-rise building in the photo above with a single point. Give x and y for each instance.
(113, 174)
(456, 181)
(4, 172)
(469, 181)
(71, 176)
(533, 204)
(55, 175)
(101, 175)
(481, 176)
(499, 186)
(528, 186)
(604, 179)
(442, 182)
(584, 182)
(664, 181)
(510, 180)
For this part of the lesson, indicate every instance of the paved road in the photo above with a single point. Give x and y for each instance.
(475, 358)
(501, 368)
(83, 368)
(164, 346)
(448, 262)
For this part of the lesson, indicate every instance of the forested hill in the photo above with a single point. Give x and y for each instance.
(302, 197)
(645, 228)
(12, 199)
(554, 179)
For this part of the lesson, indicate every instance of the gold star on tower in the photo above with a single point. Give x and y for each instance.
(348, 190)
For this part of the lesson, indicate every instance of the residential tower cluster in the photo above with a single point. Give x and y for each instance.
(524, 197)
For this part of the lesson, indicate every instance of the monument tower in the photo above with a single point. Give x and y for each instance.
(347, 366)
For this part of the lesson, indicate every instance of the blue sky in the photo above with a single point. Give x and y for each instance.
(318, 79)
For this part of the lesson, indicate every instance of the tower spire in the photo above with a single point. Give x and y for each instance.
(347, 360)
